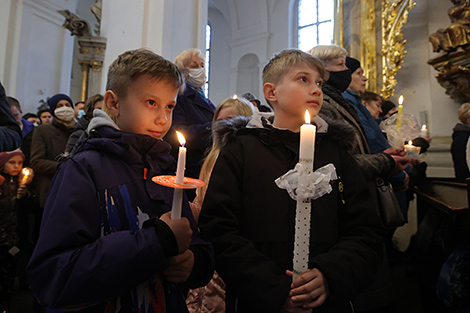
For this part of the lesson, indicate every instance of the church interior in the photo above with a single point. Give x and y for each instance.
(419, 50)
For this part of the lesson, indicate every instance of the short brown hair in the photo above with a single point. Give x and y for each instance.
(283, 61)
(132, 64)
(372, 96)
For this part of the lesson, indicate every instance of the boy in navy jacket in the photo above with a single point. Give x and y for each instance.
(107, 243)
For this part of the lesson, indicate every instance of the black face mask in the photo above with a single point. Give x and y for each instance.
(340, 79)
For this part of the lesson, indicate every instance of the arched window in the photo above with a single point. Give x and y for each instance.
(208, 54)
(315, 23)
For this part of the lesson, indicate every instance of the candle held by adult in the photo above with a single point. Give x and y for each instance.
(178, 193)
(412, 151)
(302, 214)
(400, 112)
(424, 131)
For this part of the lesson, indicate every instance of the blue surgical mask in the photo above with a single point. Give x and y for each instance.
(81, 113)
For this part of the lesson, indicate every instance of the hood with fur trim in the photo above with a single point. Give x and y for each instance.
(227, 130)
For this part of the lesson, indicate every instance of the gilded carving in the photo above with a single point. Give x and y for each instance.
(368, 43)
(394, 16)
(458, 33)
(453, 65)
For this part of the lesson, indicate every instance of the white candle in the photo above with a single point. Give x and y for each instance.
(412, 151)
(424, 131)
(302, 214)
(178, 194)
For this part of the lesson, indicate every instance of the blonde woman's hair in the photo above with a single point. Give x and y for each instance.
(132, 64)
(464, 112)
(328, 52)
(184, 58)
(244, 108)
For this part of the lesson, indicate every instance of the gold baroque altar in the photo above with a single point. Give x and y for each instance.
(376, 40)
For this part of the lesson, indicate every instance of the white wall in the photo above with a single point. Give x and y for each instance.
(167, 27)
(38, 55)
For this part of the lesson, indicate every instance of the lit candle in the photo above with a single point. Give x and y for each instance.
(24, 179)
(234, 96)
(412, 151)
(424, 131)
(302, 214)
(178, 194)
(400, 110)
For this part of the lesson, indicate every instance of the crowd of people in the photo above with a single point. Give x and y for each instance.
(79, 205)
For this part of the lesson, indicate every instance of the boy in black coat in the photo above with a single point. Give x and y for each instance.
(250, 220)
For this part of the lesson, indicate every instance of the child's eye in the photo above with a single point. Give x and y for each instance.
(152, 102)
(304, 79)
(320, 83)
(171, 106)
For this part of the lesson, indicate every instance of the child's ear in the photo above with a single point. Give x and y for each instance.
(269, 91)
(111, 102)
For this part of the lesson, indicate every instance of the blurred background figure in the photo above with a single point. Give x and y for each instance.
(460, 136)
(44, 114)
(257, 103)
(192, 115)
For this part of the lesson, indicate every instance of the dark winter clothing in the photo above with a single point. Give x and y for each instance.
(47, 145)
(10, 131)
(337, 108)
(192, 116)
(459, 151)
(375, 138)
(101, 245)
(77, 133)
(250, 220)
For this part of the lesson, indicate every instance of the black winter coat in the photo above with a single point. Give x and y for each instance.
(459, 151)
(250, 221)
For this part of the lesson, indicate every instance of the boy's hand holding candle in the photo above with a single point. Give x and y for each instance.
(27, 176)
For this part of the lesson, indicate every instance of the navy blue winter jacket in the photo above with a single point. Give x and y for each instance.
(94, 251)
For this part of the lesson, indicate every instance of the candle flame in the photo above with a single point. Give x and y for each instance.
(400, 100)
(423, 127)
(25, 172)
(181, 138)
(307, 117)
(235, 96)
(410, 142)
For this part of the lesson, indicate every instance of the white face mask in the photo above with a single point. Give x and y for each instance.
(65, 114)
(197, 77)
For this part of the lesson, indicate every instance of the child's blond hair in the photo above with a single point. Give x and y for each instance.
(283, 61)
(132, 64)
(244, 108)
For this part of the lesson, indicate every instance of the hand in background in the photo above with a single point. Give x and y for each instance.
(181, 229)
(393, 151)
(180, 268)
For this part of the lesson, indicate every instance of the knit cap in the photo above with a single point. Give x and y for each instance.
(353, 64)
(52, 101)
(5, 156)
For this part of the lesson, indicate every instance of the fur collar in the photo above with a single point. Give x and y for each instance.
(227, 130)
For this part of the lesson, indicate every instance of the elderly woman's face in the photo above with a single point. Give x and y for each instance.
(196, 62)
(336, 65)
